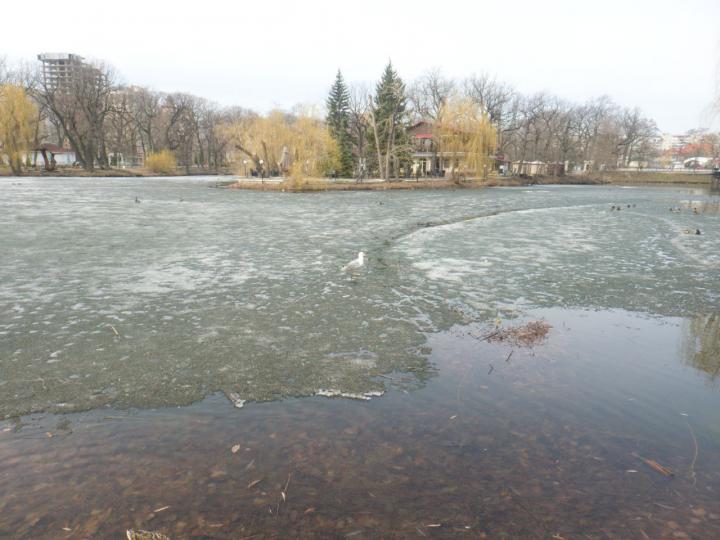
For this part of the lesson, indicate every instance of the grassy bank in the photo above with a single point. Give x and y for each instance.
(320, 184)
(617, 177)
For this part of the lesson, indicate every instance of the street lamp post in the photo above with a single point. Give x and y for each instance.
(262, 172)
(245, 164)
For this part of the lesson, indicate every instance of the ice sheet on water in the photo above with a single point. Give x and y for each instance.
(212, 290)
(577, 256)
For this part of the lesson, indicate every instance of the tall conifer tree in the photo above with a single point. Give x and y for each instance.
(389, 115)
(338, 120)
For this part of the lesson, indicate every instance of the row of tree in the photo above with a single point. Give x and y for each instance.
(109, 124)
(372, 128)
(365, 132)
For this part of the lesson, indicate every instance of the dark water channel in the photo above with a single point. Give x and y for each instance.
(129, 333)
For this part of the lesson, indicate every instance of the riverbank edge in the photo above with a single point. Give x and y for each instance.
(316, 185)
(321, 184)
(605, 178)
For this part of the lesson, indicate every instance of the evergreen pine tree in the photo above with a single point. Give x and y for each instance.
(338, 120)
(389, 109)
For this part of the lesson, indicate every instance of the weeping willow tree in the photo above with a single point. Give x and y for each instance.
(261, 138)
(465, 137)
(314, 151)
(18, 117)
(296, 146)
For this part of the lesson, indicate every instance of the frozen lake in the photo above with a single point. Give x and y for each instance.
(213, 297)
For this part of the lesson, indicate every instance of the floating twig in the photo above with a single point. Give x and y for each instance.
(492, 334)
(695, 456)
(285, 490)
(665, 471)
(509, 355)
(283, 494)
(117, 334)
(254, 483)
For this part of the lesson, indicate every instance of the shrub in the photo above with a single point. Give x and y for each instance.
(162, 162)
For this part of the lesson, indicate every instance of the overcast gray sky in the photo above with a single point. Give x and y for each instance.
(662, 56)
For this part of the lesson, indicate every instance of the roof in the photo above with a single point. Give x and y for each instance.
(420, 122)
(421, 130)
(53, 57)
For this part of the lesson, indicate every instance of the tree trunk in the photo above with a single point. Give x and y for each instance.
(377, 143)
(90, 153)
(48, 165)
(267, 161)
(15, 164)
(255, 158)
(104, 162)
(389, 148)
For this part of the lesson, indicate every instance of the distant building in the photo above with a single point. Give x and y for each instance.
(61, 69)
(428, 160)
(537, 168)
(52, 155)
(673, 142)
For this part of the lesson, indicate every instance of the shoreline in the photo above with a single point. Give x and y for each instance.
(317, 185)
(322, 184)
(604, 179)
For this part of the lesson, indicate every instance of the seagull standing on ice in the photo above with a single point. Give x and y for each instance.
(355, 265)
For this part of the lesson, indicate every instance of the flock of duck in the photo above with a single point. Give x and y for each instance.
(673, 209)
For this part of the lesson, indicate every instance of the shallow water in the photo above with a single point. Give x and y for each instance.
(198, 294)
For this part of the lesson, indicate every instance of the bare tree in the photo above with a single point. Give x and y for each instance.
(181, 126)
(636, 135)
(80, 106)
(359, 110)
(428, 94)
(499, 100)
(145, 107)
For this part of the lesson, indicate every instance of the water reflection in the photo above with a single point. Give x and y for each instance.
(701, 345)
(701, 206)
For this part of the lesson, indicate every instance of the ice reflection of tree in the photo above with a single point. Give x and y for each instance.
(701, 346)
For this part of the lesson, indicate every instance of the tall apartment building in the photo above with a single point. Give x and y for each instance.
(60, 69)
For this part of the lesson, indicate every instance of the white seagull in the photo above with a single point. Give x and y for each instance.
(355, 264)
